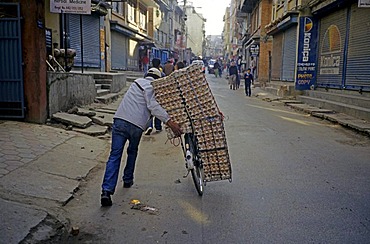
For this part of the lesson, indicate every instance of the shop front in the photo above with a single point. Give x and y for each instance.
(283, 56)
(344, 55)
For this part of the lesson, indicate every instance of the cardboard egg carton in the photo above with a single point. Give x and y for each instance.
(217, 166)
(186, 96)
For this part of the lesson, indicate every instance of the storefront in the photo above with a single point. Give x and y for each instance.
(344, 53)
(90, 46)
(283, 60)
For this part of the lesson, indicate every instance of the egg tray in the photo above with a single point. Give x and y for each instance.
(187, 98)
(216, 165)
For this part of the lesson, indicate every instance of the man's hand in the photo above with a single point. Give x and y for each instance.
(175, 127)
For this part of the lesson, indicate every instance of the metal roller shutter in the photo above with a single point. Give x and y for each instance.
(277, 48)
(91, 39)
(119, 51)
(331, 49)
(358, 65)
(289, 54)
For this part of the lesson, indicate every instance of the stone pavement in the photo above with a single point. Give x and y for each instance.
(344, 120)
(40, 169)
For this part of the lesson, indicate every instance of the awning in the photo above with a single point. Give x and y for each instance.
(150, 3)
(147, 44)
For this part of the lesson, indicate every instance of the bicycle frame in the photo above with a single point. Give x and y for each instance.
(193, 163)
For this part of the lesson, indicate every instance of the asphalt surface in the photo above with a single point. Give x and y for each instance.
(296, 179)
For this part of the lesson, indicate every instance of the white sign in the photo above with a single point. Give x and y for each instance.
(70, 6)
(364, 3)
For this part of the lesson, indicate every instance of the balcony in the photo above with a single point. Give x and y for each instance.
(248, 5)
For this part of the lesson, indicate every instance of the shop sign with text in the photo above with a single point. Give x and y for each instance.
(70, 6)
(307, 51)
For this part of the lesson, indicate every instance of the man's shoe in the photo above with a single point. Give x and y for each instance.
(105, 199)
(127, 184)
(148, 131)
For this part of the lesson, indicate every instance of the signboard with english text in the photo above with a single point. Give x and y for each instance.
(307, 53)
(70, 6)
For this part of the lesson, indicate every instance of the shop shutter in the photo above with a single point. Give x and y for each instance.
(358, 59)
(119, 51)
(289, 54)
(277, 46)
(331, 48)
(91, 39)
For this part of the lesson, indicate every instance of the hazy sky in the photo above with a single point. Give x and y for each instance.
(213, 11)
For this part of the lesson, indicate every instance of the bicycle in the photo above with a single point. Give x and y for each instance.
(193, 162)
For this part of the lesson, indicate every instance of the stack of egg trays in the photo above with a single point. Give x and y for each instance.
(169, 97)
(208, 125)
(212, 148)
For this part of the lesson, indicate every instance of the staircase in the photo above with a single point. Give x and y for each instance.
(103, 84)
(347, 102)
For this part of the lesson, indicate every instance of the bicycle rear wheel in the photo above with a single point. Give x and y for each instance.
(197, 171)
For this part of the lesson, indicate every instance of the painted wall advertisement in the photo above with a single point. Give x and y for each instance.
(307, 51)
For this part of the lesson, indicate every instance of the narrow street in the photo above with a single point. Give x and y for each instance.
(296, 179)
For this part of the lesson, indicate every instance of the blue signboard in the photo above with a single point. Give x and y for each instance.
(306, 55)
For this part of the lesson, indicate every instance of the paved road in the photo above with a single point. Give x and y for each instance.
(296, 179)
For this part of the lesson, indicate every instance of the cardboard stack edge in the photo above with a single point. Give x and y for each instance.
(187, 97)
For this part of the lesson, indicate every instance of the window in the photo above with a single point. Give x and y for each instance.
(142, 17)
(117, 7)
(131, 11)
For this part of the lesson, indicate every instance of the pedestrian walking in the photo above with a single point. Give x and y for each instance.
(216, 67)
(234, 80)
(168, 67)
(252, 66)
(248, 80)
(129, 123)
(156, 63)
(145, 62)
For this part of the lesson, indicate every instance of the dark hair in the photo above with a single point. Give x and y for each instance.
(180, 65)
(249, 69)
(156, 63)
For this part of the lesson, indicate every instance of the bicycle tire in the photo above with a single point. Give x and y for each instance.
(197, 171)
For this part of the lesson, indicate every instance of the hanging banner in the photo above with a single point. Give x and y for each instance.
(70, 6)
(306, 54)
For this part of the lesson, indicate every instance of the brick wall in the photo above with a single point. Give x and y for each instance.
(265, 43)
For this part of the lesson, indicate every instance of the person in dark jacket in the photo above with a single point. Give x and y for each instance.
(234, 80)
(216, 66)
(248, 79)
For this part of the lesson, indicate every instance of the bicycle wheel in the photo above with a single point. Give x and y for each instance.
(197, 171)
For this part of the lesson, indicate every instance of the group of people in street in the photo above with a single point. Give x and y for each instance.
(234, 78)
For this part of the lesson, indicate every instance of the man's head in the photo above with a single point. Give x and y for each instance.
(156, 62)
(248, 70)
(154, 73)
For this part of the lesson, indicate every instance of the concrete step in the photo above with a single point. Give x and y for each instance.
(102, 92)
(108, 98)
(345, 92)
(106, 86)
(282, 89)
(98, 86)
(356, 100)
(72, 119)
(355, 111)
(93, 130)
(103, 81)
(102, 76)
